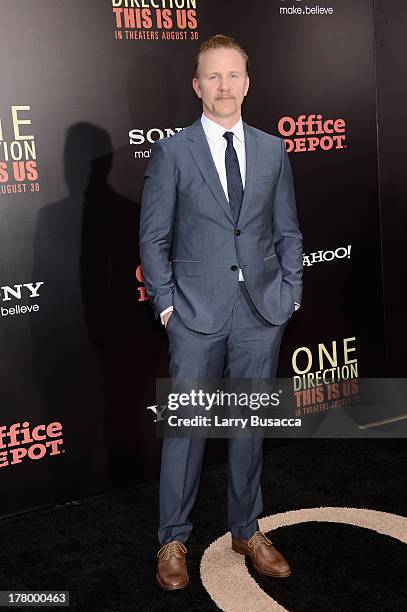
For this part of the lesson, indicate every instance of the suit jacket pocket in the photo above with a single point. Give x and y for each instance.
(271, 261)
(185, 267)
(265, 178)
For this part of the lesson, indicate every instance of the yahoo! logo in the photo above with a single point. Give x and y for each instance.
(312, 132)
(20, 441)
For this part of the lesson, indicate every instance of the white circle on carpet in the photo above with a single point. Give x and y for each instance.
(224, 573)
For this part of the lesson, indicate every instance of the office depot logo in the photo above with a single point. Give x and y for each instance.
(20, 442)
(312, 132)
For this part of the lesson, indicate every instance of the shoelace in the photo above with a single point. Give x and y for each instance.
(257, 539)
(171, 549)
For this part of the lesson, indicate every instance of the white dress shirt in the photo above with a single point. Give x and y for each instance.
(217, 144)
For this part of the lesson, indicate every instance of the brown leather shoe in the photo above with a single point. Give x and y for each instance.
(172, 572)
(263, 554)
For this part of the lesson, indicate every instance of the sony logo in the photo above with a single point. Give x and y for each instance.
(20, 291)
(138, 137)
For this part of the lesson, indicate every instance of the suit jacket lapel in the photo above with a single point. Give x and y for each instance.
(201, 152)
(251, 147)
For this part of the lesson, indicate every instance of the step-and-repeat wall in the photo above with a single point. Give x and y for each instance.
(86, 88)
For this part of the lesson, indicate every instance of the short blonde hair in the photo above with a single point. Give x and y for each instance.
(217, 42)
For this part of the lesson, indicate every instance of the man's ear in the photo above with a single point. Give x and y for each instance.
(196, 86)
(247, 85)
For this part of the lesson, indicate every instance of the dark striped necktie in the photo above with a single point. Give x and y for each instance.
(234, 178)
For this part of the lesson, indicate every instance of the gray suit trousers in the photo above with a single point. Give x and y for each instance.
(247, 346)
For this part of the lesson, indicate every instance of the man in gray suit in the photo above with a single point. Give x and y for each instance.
(221, 255)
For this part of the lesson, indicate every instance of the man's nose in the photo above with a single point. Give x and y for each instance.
(223, 85)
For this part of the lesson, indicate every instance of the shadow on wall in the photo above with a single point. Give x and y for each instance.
(95, 346)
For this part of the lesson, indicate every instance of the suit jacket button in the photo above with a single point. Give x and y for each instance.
(234, 268)
(238, 232)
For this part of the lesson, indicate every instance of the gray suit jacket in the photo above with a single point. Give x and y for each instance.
(190, 247)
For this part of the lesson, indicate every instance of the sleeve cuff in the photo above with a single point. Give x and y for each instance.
(164, 312)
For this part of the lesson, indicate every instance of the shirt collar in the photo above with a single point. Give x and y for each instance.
(214, 131)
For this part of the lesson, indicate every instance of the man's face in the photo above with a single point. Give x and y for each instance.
(222, 83)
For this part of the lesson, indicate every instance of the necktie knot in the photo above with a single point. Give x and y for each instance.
(229, 137)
